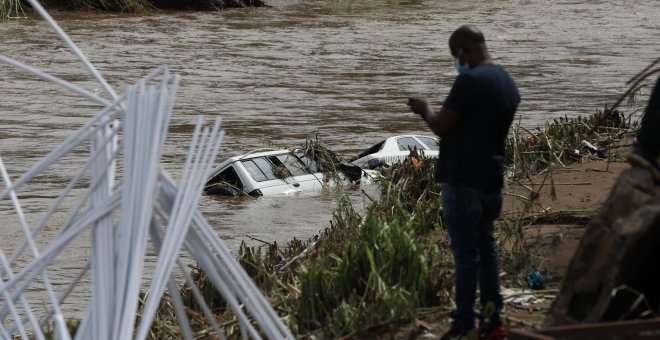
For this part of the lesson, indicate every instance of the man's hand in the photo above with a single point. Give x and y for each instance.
(420, 106)
(442, 122)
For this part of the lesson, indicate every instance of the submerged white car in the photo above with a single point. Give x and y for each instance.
(273, 173)
(395, 149)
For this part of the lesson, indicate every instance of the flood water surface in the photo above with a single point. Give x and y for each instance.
(339, 71)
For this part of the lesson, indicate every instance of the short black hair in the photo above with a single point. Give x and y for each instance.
(467, 37)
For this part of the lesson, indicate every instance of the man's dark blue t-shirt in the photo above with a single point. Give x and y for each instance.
(472, 155)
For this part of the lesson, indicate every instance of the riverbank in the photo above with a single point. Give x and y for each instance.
(17, 8)
(388, 271)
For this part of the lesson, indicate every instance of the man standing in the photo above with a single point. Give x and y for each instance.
(473, 124)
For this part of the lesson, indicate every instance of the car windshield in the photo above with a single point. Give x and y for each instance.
(275, 167)
(311, 164)
(293, 164)
(228, 176)
(371, 150)
(432, 143)
(407, 143)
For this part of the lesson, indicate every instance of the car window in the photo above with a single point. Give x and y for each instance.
(432, 143)
(229, 176)
(260, 169)
(293, 164)
(407, 143)
(311, 164)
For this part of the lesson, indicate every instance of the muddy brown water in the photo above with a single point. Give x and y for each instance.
(336, 70)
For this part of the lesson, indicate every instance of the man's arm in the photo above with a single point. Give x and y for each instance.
(441, 122)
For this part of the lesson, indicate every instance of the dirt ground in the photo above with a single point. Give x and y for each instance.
(579, 191)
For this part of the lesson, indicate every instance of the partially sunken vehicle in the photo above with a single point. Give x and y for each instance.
(275, 173)
(395, 149)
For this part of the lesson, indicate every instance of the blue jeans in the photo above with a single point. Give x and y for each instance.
(468, 216)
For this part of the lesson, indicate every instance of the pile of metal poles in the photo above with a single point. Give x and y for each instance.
(127, 211)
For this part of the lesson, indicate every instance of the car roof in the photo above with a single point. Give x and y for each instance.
(399, 136)
(392, 139)
(250, 156)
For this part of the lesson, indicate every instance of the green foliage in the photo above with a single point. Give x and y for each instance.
(379, 275)
(376, 269)
(261, 268)
(412, 192)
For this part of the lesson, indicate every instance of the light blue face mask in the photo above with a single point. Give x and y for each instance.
(461, 68)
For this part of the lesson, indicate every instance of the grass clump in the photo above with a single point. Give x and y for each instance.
(378, 268)
(515, 257)
(561, 142)
(379, 274)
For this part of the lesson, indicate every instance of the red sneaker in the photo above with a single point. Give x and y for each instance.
(496, 333)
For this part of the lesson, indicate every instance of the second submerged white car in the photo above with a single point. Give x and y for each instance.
(395, 149)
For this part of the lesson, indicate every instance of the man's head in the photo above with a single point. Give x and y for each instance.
(467, 43)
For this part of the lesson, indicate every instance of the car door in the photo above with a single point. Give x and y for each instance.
(302, 177)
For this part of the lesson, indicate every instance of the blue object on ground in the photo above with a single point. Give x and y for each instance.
(535, 280)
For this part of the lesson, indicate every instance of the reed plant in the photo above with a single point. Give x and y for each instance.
(529, 151)
(411, 184)
(513, 252)
(10, 8)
